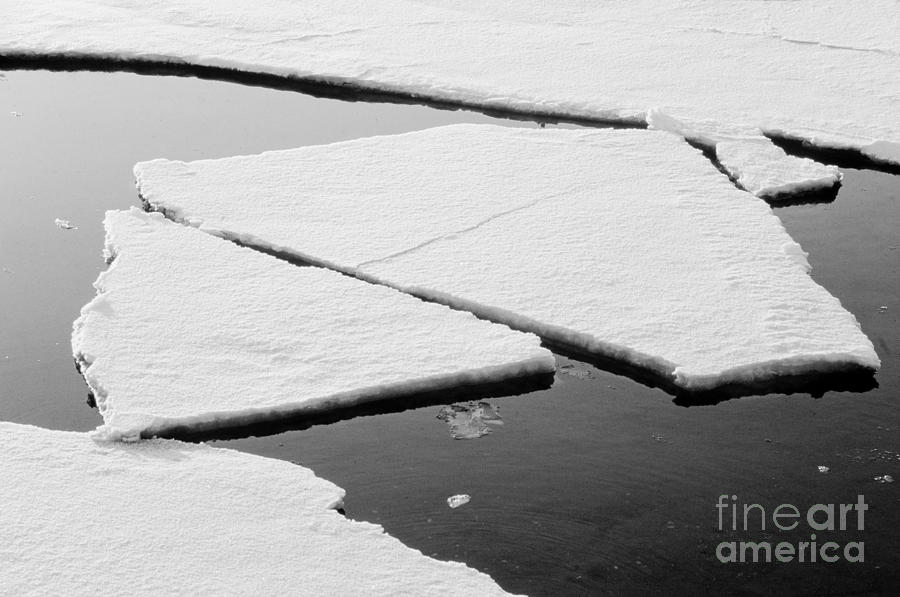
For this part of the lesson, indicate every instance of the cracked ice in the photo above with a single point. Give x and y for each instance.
(626, 244)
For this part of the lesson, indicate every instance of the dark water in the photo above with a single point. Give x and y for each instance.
(599, 485)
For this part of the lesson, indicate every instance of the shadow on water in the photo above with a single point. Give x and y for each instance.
(344, 91)
(809, 197)
(844, 378)
(842, 158)
(396, 404)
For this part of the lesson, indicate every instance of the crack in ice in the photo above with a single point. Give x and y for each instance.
(462, 231)
(778, 37)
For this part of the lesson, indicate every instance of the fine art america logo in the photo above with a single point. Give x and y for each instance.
(787, 517)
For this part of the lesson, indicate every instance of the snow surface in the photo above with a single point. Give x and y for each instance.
(815, 70)
(751, 159)
(189, 331)
(161, 517)
(623, 243)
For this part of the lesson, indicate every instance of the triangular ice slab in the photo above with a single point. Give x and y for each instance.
(162, 517)
(755, 163)
(627, 244)
(191, 332)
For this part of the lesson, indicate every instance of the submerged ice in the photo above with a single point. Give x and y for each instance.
(626, 244)
(470, 420)
(189, 332)
(788, 68)
(161, 517)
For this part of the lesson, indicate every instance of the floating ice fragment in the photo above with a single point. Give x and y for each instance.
(190, 332)
(623, 244)
(823, 469)
(755, 163)
(162, 517)
(470, 420)
(884, 479)
(455, 501)
(64, 224)
(15, 114)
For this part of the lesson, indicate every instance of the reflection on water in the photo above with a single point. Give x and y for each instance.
(598, 485)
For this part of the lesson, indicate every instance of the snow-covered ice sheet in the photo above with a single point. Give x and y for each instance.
(751, 159)
(624, 243)
(188, 331)
(398, 191)
(820, 71)
(162, 517)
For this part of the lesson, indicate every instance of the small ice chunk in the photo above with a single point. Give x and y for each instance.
(162, 517)
(884, 479)
(762, 168)
(470, 420)
(455, 501)
(64, 224)
(188, 331)
(622, 243)
(15, 114)
(823, 469)
(755, 163)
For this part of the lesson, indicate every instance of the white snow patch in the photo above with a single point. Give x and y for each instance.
(789, 66)
(623, 243)
(189, 331)
(167, 518)
(755, 163)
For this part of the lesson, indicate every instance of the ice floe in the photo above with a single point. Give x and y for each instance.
(189, 332)
(162, 517)
(751, 159)
(626, 244)
(787, 68)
